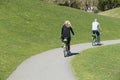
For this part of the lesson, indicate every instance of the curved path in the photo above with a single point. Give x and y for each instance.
(51, 65)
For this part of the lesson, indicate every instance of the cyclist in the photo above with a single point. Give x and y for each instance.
(96, 29)
(65, 32)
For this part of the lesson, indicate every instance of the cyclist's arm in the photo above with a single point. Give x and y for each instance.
(72, 30)
(62, 31)
(99, 28)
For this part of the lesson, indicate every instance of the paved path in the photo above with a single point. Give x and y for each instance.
(51, 65)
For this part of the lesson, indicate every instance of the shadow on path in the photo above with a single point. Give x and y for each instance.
(100, 44)
(72, 54)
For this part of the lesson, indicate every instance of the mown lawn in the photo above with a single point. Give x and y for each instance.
(29, 27)
(101, 63)
(111, 13)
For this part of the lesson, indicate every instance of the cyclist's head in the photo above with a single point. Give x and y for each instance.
(95, 20)
(67, 23)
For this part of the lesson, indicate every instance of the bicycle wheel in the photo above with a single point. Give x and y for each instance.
(65, 48)
(65, 52)
(93, 41)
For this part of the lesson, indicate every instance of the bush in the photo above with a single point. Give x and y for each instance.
(87, 4)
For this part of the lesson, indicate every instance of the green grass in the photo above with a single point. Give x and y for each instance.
(112, 13)
(101, 63)
(29, 27)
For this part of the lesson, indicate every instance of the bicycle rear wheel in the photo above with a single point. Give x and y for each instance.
(65, 48)
(93, 41)
(65, 52)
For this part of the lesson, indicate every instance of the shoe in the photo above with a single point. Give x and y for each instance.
(69, 52)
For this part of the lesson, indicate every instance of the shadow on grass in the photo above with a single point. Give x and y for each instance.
(100, 44)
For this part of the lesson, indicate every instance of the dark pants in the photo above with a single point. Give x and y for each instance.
(98, 34)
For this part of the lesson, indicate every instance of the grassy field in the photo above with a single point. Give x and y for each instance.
(29, 27)
(102, 63)
(112, 13)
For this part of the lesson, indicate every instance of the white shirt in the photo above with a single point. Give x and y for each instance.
(95, 25)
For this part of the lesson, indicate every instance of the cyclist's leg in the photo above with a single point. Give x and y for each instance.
(69, 44)
(98, 37)
(93, 32)
(68, 47)
(62, 38)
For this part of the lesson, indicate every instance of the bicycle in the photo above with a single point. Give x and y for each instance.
(65, 47)
(94, 39)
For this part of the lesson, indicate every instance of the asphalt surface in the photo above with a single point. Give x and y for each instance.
(51, 65)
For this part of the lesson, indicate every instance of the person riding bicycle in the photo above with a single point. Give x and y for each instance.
(96, 29)
(65, 32)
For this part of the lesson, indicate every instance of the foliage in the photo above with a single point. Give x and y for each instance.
(108, 4)
(86, 4)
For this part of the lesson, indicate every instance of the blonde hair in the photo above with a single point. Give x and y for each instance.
(67, 23)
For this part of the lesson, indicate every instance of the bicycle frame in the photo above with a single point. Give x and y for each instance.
(94, 39)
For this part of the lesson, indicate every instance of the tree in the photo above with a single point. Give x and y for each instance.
(87, 4)
(101, 5)
(108, 4)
